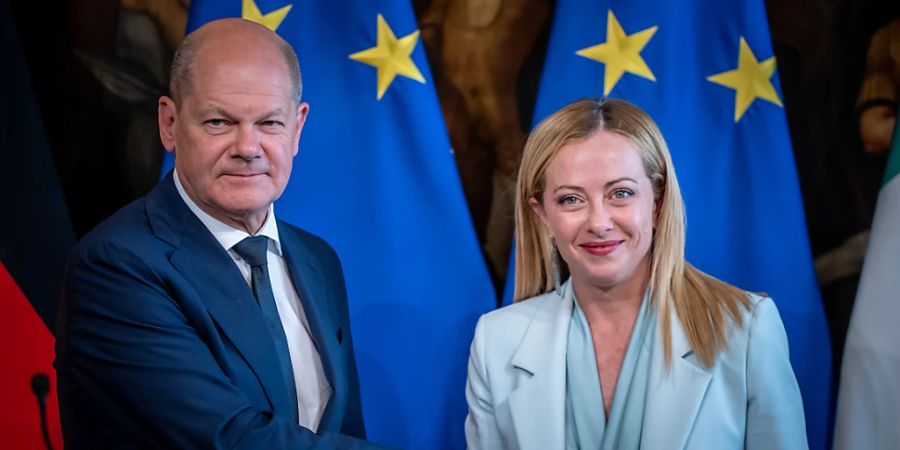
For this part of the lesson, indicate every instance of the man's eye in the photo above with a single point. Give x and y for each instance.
(216, 123)
(272, 124)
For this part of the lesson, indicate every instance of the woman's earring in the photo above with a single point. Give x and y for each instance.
(554, 265)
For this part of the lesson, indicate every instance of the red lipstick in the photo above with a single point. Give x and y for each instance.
(601, 248)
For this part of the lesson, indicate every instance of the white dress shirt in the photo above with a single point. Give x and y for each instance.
(313, 389)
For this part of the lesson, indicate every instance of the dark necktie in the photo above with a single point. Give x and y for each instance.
(253, 251)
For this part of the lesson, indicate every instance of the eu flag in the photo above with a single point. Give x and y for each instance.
(705, 71)
(376, 178)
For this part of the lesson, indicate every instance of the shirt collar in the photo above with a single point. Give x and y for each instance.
(225, 234)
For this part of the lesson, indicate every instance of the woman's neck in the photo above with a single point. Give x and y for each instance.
(618, 303)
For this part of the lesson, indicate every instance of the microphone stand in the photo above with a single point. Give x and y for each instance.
(40, 385)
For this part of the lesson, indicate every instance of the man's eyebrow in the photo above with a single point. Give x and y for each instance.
(213, 108)
(279, 111)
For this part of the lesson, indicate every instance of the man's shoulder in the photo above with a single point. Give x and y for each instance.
(150, 225)
(292, 235)
(127, 227)
(120, 250)
(291, 231)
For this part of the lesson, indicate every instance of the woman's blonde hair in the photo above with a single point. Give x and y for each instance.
(703, 303)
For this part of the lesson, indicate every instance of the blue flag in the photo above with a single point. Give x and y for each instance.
(705, 71)
(376, 177)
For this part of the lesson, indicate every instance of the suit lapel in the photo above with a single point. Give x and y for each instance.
(681, 389)
(322, 317)
(218, 283)
(538, 403)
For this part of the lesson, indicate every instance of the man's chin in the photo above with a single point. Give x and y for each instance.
(248, 209)
(237, 205)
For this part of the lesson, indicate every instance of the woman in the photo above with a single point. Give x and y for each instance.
(637, 348)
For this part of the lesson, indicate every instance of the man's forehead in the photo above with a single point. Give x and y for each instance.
(233, 105)
(233, 29)
(240, 54)
(219, 62)
(242, 80)
(250, 105)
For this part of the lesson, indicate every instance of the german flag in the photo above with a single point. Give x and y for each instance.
(35, 238)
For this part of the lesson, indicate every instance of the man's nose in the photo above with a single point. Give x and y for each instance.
(247, 145)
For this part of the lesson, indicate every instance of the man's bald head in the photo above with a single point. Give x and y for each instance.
(236, 36)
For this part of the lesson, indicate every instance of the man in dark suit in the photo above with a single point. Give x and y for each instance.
(193, 318)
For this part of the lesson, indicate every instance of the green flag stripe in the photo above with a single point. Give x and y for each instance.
(893, 164)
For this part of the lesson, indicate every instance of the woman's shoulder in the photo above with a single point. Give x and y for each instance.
(522, 311)
(760, 319)
(509, 323)
(758, 306)
(761, 307)
(764, 317)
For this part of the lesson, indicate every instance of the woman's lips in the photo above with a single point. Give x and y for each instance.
(601, 248)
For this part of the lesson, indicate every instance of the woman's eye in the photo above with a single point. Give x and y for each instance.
(622, 194)
(568, 200)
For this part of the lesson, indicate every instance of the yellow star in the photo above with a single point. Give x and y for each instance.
(270, 20)
(620, 53)
(391, 56)
(751, 80)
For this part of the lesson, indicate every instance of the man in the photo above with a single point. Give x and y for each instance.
(192, 318)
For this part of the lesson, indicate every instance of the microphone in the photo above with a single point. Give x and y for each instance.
(40, 385)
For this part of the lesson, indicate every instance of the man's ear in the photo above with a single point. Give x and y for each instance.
(302, 112)
(166, 114)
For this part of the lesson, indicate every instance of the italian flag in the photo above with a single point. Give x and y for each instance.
(868, 413)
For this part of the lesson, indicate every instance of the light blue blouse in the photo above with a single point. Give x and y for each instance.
(587, 426)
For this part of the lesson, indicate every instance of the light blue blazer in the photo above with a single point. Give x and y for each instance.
(517, 380)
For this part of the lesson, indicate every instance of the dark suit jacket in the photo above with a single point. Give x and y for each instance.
(161, 343)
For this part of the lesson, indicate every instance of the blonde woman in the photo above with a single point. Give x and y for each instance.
(615, 341)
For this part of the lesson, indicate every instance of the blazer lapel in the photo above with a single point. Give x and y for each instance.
(217, 282)
(322, 317)
(680, 389)
(538, 403)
